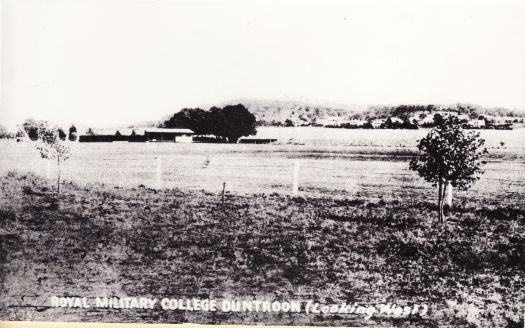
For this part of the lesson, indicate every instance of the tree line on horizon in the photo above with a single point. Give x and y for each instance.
(309, 114)
(32, 128)
(405, 110)
(226, 124)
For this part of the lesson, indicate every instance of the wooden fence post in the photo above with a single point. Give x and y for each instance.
(223, 190)
(295, 190)
(449, 195)
(158, 177)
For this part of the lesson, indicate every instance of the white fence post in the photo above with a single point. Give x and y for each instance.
(295, 190)
(158, 177)
(449, 195)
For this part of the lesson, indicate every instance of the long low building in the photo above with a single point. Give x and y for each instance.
(148, 134)
(168, 135)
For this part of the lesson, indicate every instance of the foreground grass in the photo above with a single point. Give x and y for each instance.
(101, 241)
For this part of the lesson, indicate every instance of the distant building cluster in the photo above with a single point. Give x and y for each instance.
(415, 120)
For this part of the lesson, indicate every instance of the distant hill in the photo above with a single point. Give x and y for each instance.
(276, 112)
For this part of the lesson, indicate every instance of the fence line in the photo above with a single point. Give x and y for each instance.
(267, 174)
(332, 178)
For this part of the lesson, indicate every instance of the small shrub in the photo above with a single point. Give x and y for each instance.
(6, 215)
(26, 190)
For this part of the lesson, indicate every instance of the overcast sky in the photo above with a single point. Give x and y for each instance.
(115, 62)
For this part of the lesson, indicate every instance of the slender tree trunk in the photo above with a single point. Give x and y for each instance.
(442, 204)
(58, 179)
(440, 196)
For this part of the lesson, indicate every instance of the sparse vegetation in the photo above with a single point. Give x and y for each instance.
(188, 244)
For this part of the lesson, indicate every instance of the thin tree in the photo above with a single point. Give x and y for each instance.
(61, 134)
(72, 133)
(51, 147)
(30, 126)
(449, 155)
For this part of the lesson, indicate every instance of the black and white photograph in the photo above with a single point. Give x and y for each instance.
(337, 163)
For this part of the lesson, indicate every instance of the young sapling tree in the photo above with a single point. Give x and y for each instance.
(449, 155)
(51, 147)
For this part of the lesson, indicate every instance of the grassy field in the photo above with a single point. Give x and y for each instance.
(386, 138)
(374, 172)
(97, 240)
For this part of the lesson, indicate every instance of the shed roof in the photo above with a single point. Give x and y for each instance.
(161, 130)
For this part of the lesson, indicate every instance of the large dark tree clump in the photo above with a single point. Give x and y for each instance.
(227, 124)
(232, 122)
(196, 119)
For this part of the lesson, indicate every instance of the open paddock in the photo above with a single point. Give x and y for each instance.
(375, 171)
